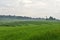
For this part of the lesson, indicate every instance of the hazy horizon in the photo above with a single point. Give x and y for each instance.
(31, 8)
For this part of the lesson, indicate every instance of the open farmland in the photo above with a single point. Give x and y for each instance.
(30, 30)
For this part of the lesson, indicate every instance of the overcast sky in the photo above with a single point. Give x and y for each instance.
(33, 8)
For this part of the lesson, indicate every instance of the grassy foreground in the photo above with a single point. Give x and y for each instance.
(30, 30)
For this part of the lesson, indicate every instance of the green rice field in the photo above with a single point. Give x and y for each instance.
(30, 30)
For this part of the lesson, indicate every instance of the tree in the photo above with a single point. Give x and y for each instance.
(51, 18)
(46, 18)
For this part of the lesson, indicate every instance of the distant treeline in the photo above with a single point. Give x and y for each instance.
(17, 17)
(24, 17)
(14, 17)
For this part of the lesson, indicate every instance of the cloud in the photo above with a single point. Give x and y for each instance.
(34, 8)
(9, 3)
